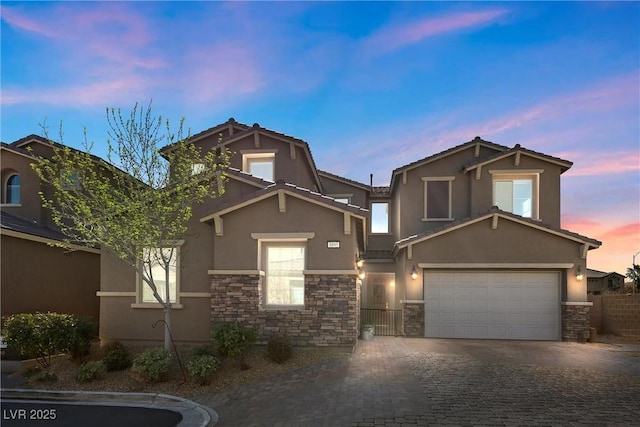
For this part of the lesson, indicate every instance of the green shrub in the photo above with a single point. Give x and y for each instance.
(202, 367)
(234, 339)
(90, 371)
(205, 350)
(152, 365)
(42, 335)
(82, 332)
(115, 356)
(279, 349)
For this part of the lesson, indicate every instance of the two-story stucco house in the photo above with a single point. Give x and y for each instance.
(466, 243)
(37, 276)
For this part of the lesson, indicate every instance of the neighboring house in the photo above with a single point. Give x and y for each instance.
(37, 276)
(599, 282)
(466, 243)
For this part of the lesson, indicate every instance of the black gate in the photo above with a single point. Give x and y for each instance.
(385, 322)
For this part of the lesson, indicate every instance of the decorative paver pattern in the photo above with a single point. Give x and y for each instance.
(399, 381)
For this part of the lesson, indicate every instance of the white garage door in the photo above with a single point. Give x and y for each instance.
(519, 305)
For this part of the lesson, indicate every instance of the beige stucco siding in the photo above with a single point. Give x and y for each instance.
(510, 243)
(332, 187)
(30, 202)
(237, 250)
(38, 277)
(549, 186)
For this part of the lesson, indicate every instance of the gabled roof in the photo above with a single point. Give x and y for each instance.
(477, 141)
(597, 274)
(496, 212)
(231, 123)
(16, 226)
(381, 191)
(516, 151)
(377, 255)
(342, 179)
(239, 175)
(17, 150)
(289, 189)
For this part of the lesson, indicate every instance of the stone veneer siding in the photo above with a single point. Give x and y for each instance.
(413, 319)
(575, 323)
(329, 316)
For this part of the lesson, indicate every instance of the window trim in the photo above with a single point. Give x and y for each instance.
(5, 197)
(248, 155)
(265, 278)
(380, 233)
(534, 176)
(140, 303)
(285, 238)
(337, 196)
(426, 180)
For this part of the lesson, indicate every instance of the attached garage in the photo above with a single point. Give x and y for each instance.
(519, 305)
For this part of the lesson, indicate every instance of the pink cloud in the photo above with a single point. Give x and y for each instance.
(604, 163)
(13, 17)
(397, 36)
(619, 242)
(127, 88)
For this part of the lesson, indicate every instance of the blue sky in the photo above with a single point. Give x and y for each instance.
(370, 86)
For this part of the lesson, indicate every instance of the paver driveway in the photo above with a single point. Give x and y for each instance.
(400, 381)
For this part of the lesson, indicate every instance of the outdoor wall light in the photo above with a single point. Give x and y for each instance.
(361, 274)
(579, 275)
(360, 263)
(414, 273)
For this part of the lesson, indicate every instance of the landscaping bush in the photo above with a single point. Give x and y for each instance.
(115, 356)
(234, 339)
(42, 335)
(202, 367)
(279, 349)
(205, 350)
(152, 365)
(90, 371)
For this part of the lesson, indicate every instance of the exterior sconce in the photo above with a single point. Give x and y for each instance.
(360, 263)
(361, 274)
(414, 273)
(579, 275)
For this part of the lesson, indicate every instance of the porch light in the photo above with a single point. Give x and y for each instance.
(579, 275)
(360, 263)
(361, 274)
(414, 273)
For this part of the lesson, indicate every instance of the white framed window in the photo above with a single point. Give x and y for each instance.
(438, 196)
(153, 265)
(197, 168)
(379, 217)
(284, 264)
(12, 189)
(517, 194)
(260, 164)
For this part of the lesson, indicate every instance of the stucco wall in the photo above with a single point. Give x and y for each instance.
(237, 250)
(30, 203)
(38, 277)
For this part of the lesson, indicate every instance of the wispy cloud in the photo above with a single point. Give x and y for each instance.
(19, 20)
(604, 163)
(397, 36)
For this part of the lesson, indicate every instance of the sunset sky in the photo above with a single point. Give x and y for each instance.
(357, 81)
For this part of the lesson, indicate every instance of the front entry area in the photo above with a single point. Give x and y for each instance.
(520, 305)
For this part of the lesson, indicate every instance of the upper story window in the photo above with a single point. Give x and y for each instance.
(70, 180)
(284, 273)
(197, 168)
(438, 198)
(12, 190)
(517, 194)
(379, 217)
(259, 164)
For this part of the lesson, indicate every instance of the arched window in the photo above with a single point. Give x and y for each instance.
(12, 190)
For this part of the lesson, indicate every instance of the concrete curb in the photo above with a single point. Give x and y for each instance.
(193, 414)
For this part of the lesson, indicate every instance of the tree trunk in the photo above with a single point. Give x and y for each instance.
(167, 327)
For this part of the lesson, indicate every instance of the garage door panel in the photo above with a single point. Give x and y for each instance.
(492, 305)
